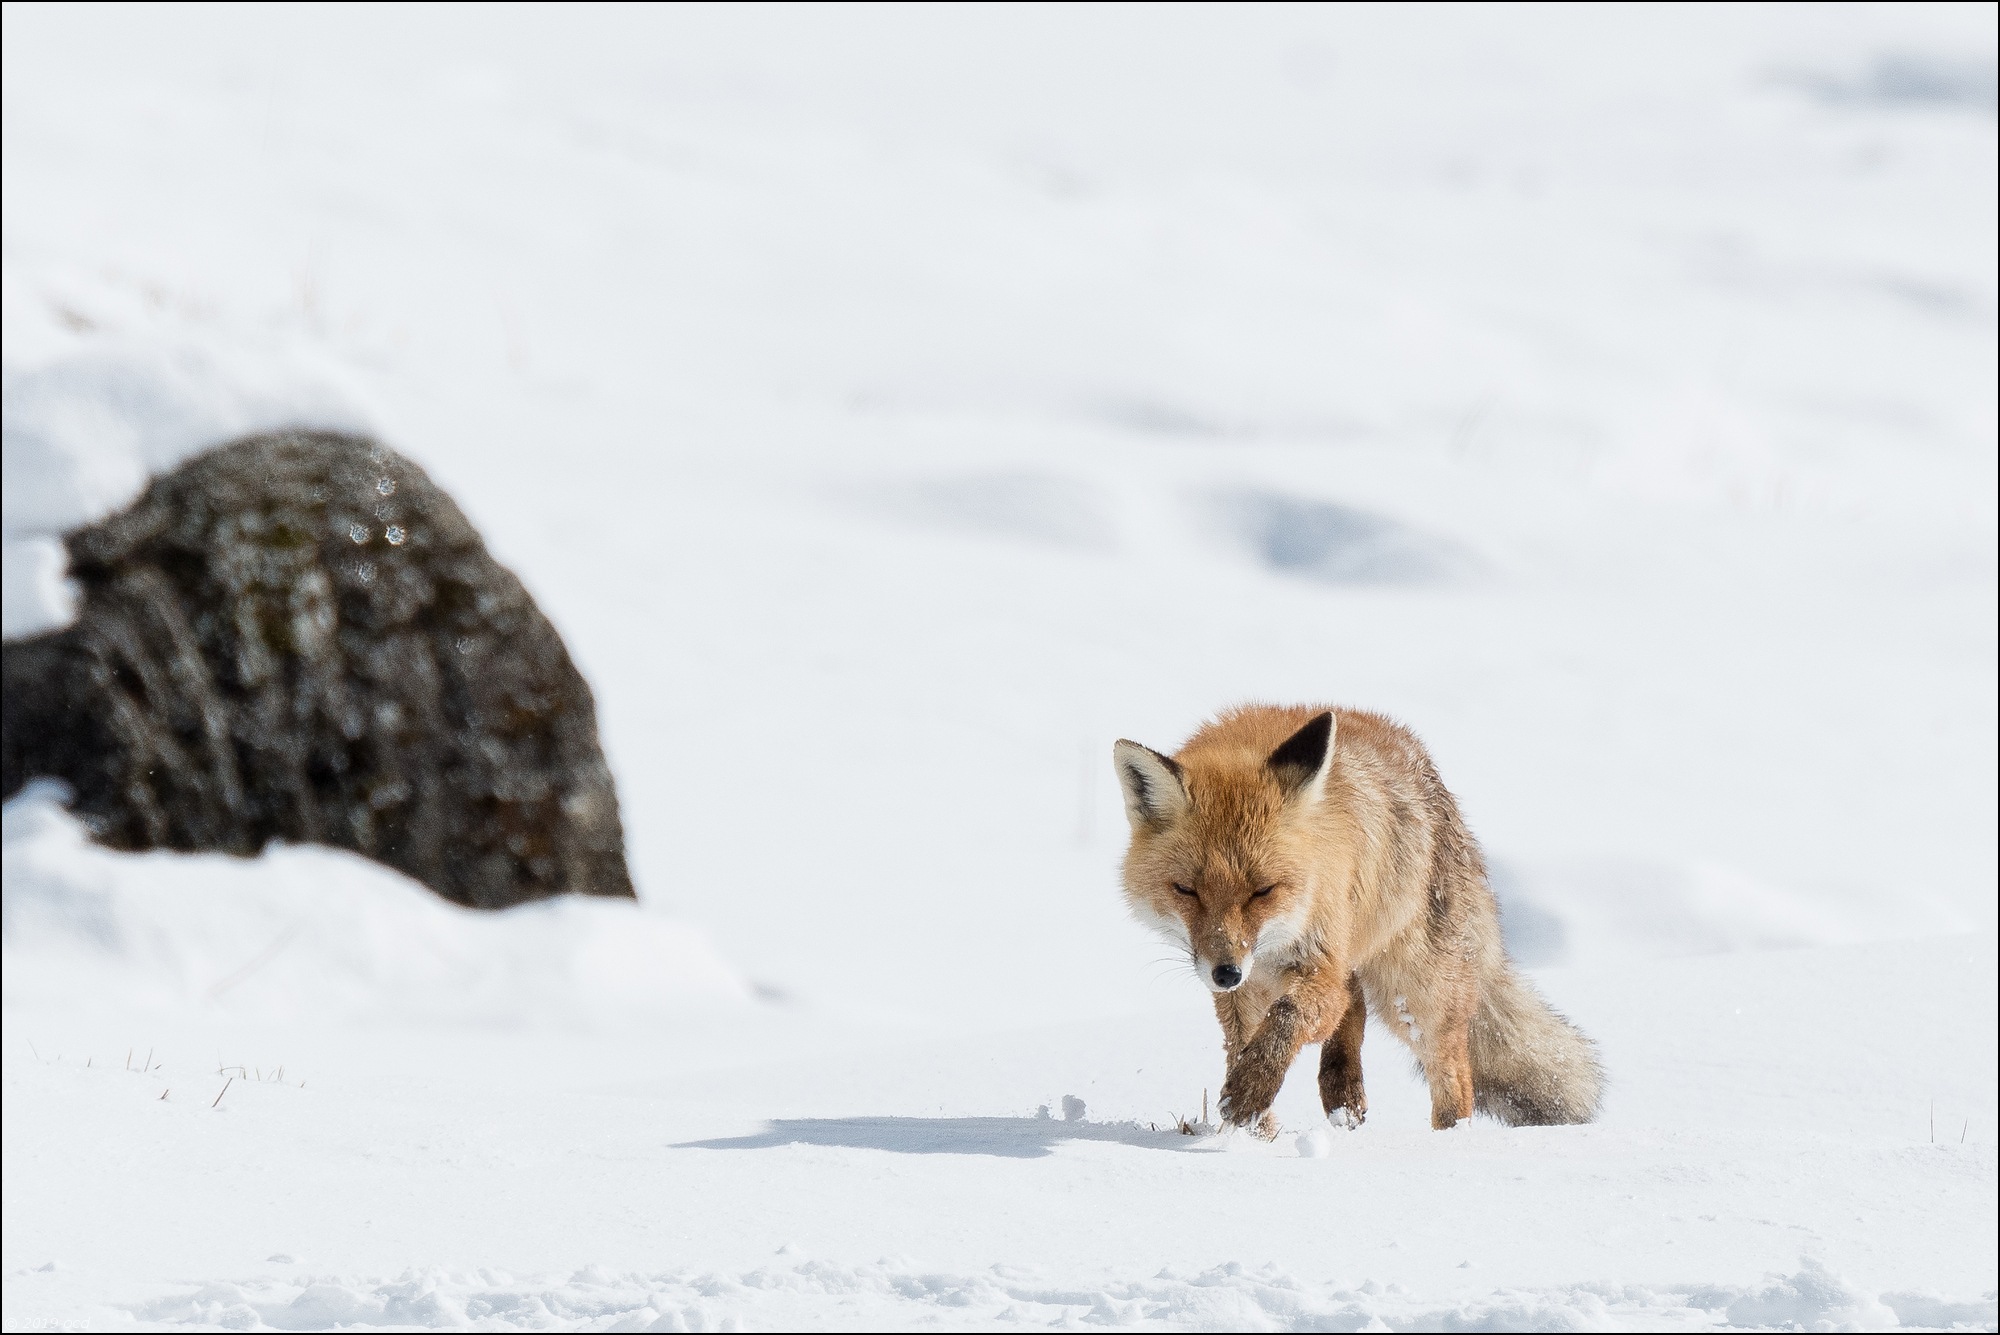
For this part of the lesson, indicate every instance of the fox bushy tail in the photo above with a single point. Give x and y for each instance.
(1530, 1066)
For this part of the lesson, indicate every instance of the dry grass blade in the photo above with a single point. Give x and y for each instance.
(225, 1089)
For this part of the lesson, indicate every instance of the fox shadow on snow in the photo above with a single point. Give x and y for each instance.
(1002, 1137)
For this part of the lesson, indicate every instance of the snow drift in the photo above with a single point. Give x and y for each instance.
(307, 931)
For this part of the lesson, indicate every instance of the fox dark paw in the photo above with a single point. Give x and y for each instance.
(1340, 1091)
(1248, 1093)
(1263, 1125)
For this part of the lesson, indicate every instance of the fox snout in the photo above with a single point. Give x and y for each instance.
(1222, 957)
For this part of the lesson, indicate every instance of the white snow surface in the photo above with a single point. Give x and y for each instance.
(893, 407)
(303, 932)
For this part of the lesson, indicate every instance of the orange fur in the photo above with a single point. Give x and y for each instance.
(1307, 858)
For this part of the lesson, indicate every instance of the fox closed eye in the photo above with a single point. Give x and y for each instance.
(1180, 889)
(1259, 894)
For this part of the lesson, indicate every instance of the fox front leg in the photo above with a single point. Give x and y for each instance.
(1315, 1002)
(1257, 1069)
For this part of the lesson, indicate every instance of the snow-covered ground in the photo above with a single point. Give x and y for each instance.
(893, 407)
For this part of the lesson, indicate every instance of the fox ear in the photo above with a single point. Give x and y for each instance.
(1301, 764)
(1154, 794)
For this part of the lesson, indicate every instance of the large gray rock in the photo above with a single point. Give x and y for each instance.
(299, 637)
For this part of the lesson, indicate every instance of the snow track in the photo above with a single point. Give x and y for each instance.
(890, 1296)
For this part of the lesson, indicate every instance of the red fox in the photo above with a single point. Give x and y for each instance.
(1313, 865)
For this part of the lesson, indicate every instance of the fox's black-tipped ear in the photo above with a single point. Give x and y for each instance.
(1154, 794)
(1300, 765)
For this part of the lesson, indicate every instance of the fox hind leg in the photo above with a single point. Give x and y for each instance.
(1430, 1008)
(1340, 1090)
(1448, 1065)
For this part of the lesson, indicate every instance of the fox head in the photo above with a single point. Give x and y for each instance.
(1215, 863)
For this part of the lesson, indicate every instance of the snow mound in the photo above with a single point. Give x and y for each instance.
(103, 388)
(1558, 912)
(1909, 79)
(311, 931)
(892, 1295)
(1040, 508)
(1336, 544)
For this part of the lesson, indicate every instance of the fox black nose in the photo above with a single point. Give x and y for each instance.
(1227, 975)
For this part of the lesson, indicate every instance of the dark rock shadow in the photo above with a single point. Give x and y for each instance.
(999, 1137)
